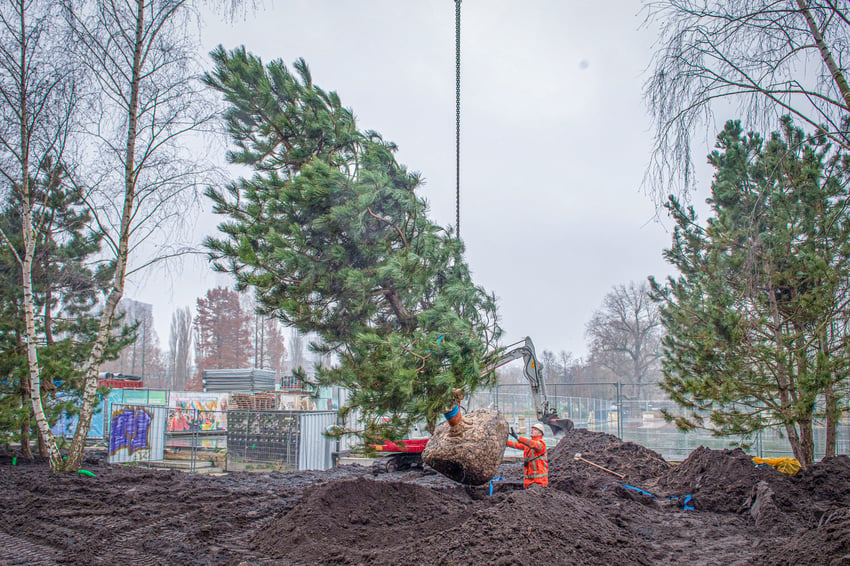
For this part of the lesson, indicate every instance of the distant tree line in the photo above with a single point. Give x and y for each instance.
(624, 347)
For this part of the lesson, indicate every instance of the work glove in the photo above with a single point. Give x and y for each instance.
(513, 434)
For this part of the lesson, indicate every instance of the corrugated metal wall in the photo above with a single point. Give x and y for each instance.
(136, 433)
(315, 450)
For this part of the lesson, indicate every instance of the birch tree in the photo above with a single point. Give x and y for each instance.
(767, 58)
(139, 61)
(37, 102)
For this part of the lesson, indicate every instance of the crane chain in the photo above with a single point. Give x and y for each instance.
(457, 114)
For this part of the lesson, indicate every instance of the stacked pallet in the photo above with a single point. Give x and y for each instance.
(253, 401)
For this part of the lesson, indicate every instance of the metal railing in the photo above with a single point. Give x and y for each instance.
(603, 407)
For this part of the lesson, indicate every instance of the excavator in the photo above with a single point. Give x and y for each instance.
(406, 454)
(533, 372)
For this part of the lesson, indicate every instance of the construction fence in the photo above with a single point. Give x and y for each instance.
(206, 432)
(604, 407)
(212, 431)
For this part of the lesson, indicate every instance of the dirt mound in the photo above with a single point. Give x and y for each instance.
(354, 517)
(828, 544)
(816, 492)
(133, 515)
(719, 480)
(379, 522)
(636, 463)
(826, 480)
(535, 526)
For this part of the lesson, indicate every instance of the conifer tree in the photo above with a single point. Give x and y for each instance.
(334, 239)
(65, 298)
(223, 336)
(756, 318)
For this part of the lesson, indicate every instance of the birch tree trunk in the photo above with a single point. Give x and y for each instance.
(29, 236)
(75, 455)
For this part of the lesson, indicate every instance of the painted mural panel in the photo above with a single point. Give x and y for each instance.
(131, 397)
(197, 412)
(66, 425)
(136, 433)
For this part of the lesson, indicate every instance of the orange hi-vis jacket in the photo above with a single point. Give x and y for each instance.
(535, 460)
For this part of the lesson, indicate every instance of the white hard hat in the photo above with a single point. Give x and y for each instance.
(539, 426)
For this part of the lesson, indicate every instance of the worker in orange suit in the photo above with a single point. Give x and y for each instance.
(534, 457)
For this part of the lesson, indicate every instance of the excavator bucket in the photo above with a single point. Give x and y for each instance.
(559, 426)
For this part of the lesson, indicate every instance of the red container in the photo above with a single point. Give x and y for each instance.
(412, 446)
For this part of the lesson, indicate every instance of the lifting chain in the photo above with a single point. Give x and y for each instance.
(457, 114)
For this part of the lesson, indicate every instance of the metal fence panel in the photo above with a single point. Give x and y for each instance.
(315, 450)
(136, 433)
(132, 397)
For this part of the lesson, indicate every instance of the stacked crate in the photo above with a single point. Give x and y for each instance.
(266, 401)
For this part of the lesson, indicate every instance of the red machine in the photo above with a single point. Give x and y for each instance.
(119, 381)
(399, 455)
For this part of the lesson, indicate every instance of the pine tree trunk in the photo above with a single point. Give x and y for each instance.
(807, 442)
(26, 451)
(802, 443)
(832, 415)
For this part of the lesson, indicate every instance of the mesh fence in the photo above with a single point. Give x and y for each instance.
(603, 407)
(201, 440)
(263, 440)
(196, 440)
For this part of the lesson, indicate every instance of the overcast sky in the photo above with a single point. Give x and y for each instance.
(555, 139)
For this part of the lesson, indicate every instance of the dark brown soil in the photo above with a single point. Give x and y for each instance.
(743, 514)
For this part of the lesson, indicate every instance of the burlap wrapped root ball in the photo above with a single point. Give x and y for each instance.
(473, 456)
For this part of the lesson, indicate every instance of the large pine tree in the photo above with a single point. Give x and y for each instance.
(756, 319)
(334, 239)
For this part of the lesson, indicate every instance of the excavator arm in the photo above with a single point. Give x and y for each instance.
(533, 372)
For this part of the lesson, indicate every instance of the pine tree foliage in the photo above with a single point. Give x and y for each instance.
(65, 299)
(756, 319)
(334, 239)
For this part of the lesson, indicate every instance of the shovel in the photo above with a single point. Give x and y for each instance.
(578, 457)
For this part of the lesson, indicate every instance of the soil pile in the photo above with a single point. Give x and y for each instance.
(351, 518)
(132, 515)
(817, 492)
(636, 463)
(719, 480)
(830, 541)
(373, 522)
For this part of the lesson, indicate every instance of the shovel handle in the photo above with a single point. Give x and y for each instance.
(621, 476)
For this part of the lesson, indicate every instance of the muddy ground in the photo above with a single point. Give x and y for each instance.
(716, 507)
